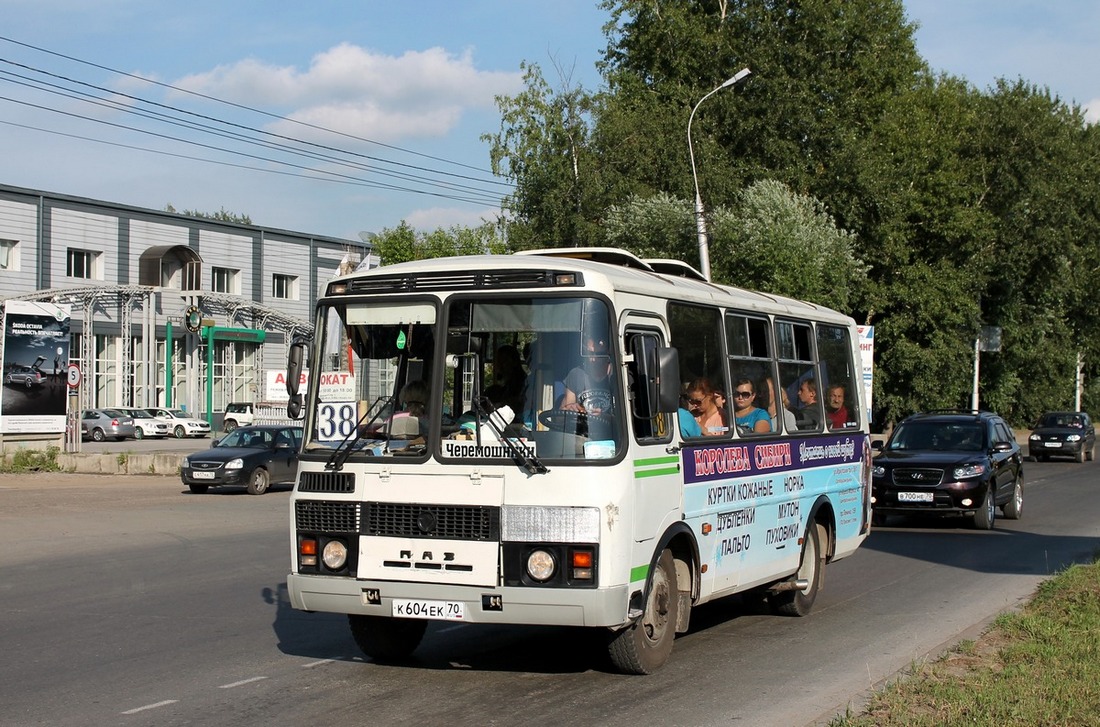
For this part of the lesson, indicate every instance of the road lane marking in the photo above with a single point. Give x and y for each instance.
(241, 682)
(317, 663)
(165, 703)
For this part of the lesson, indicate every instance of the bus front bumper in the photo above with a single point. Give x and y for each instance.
(505, 605)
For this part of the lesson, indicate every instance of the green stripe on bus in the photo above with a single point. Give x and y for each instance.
(654, 473)
(639, 573)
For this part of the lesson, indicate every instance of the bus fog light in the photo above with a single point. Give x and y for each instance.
(540, 565)
(335, 555)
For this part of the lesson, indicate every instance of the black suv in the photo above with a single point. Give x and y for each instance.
(949, 463)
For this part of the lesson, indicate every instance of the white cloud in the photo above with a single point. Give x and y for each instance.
(1092, 111)
(432, 218)
(418, 94)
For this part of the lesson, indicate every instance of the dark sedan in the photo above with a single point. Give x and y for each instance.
(1063, 434)
(957, 463)
(255, 457)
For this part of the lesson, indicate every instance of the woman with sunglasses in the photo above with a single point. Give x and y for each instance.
(703, 402)
(749, 418)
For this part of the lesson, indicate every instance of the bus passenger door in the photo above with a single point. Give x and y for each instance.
(658, 481)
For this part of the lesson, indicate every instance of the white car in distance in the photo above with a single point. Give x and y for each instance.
(181, 424)
(145, 424)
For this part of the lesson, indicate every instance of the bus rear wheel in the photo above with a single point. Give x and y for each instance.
(645, 646)
(798, 602)
(387, 639)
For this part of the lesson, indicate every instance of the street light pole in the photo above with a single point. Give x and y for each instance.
(700, 219)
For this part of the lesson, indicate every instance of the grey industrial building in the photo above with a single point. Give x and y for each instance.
(158, 297)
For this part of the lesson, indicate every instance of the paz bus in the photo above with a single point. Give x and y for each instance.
(436, 484)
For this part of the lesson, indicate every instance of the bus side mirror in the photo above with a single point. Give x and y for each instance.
(668, 379)
(295, 363)
(295, 359)
(656, 374)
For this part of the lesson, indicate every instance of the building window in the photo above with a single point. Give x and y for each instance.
(9, 255)
(225, 280)
(82, 264)
(284, 286)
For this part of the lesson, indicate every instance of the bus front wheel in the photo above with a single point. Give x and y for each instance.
(798, 602)
(386, 639)
(645, 646)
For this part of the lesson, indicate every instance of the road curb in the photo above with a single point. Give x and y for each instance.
(123, 463)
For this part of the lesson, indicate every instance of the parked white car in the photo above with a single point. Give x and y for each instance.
(181, 424)
(145, 424)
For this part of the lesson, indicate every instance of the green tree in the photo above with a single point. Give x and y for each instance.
(222, 215)
(776, 241)
(661, 226)
(543, 145)
(403, 243)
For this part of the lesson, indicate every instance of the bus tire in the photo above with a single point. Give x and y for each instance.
(644, 646)
(812, 568)
(386, 639)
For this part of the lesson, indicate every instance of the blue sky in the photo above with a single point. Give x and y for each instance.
(410, 85)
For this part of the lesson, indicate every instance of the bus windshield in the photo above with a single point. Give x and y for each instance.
(471, 378)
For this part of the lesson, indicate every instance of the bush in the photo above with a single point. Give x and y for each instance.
(32, 460)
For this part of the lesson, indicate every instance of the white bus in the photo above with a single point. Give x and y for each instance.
(506, 439)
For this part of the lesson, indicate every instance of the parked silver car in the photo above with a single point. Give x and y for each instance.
(101, 424)
(26, 376)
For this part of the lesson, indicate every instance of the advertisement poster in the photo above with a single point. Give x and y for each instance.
(36, 356)
(867, 361)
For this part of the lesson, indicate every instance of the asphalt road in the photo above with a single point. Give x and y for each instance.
(130, 601)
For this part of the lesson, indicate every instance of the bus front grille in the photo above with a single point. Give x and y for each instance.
(326, 517)
(450, 522)
(331, 482)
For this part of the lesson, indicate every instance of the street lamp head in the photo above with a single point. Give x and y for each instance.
(736, 78)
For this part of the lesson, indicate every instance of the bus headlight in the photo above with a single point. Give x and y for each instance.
(334, 555)
(540, 565)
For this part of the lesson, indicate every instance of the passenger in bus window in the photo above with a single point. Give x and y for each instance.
(588, 386)
(414, 403)
(835, 410)
(509, 379)
(688, 426)
(809, 416)
(703, 400)
(778, 405)
(749, 417)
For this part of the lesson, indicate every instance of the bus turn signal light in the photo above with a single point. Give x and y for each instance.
(307, 551)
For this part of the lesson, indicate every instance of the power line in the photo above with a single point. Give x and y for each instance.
(485, 195)
(453, 187)
(237, 105)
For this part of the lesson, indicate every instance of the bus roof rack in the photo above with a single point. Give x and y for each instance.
(678, 268)
(607, 255)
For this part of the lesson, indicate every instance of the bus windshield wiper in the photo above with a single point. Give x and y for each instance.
(528, 462)
(352, 443)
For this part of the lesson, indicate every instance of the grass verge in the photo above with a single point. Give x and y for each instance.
(1037, 666)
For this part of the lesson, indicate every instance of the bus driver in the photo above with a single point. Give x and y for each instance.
(588, 386)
